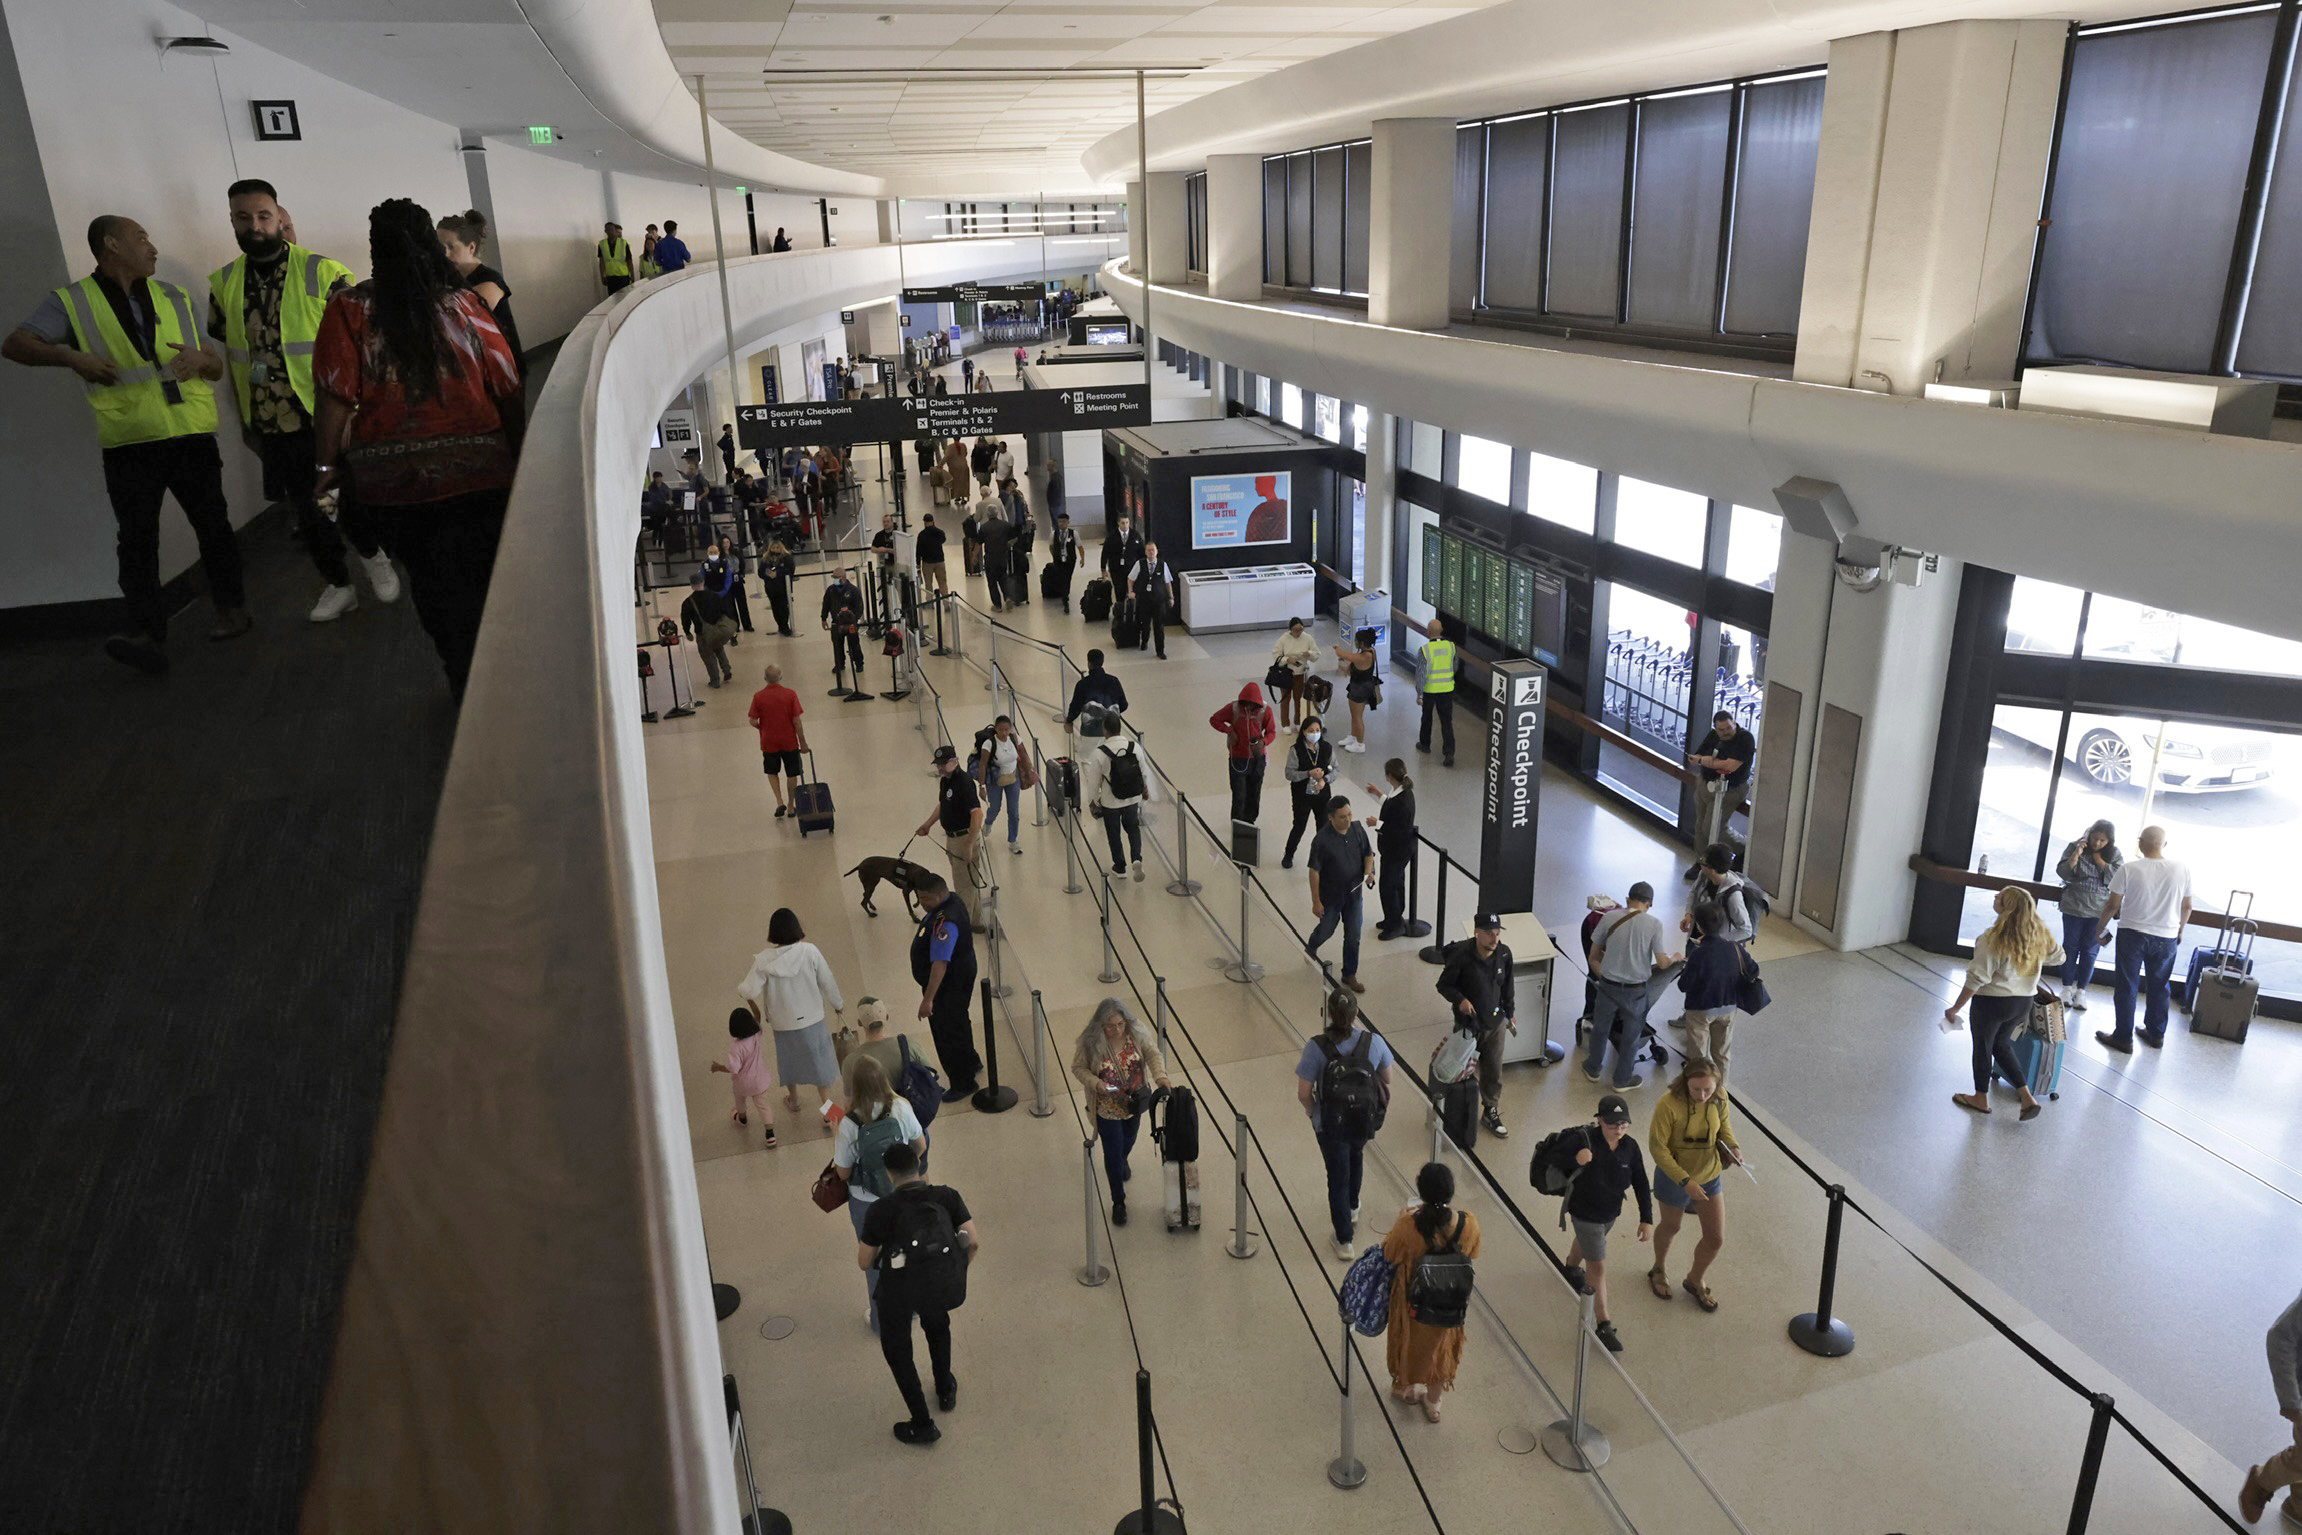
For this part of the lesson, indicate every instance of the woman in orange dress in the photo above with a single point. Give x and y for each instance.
(1423, 1358)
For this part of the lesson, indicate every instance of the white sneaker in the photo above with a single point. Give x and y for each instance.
(1138, 871)
(1351, 745)
(2076, 1001)
(1016, 848)
(1345, 1252)
(334, 603)
(384, 580)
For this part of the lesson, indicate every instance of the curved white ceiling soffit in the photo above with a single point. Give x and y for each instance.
(613, 53)
(1526, 54)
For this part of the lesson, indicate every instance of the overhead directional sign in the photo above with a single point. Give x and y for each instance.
(807, 423)
(977, 293)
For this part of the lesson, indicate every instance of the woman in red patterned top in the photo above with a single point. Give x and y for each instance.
(1115, 1058)
(420, 421)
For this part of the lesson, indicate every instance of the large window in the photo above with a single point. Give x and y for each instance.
(1660, 520)
(1563, 492)
(1483, 467)
(2109, 710)
(1315, 217)
(2161, 248)
(1679, 214)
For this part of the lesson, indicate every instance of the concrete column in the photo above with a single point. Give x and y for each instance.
(1412, 222)
(1138, 262)
(1932, 166)
(1882, 657)
(888, 229)
(883, 329)
(1382, 494)
(1235, 227)
(1168, 207)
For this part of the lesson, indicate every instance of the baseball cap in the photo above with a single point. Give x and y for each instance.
(1488, 922)
(1613, 1111)
(946, 754)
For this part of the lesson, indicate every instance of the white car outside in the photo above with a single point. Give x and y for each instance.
(2114, 751)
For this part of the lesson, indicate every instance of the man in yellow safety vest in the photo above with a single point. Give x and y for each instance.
(132, 340)
(615, 259)
(1435, 684)
(265, 307)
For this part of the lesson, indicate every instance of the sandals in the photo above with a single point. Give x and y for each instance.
(1431, 1408)
(1660, 1283)
(1966, 1102)
(2032, 1110)
(1701, 1293)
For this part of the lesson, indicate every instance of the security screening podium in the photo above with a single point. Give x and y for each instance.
(1509, 803)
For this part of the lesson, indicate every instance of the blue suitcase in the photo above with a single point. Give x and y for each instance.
(2041, 1064)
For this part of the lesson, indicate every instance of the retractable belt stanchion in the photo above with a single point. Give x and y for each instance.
(993, 1099)
(1159, 1011)
(998, 926)
(1817, 1331)
(1346, 1470)
(1245, 971)
(1071, 836)
(1040, 1107)
(1414, 926)
(1110, 970)
(1092, 1272)
(1183, 883)
(1149, 1517)
(1242, 1240)
(1435, 952)
(2090, 1468)
(1573, 1442)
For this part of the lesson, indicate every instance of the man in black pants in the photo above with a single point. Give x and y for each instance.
(1150, 584)
(943, 963)
(842, 616)
(1477, 983)
(921, 1238)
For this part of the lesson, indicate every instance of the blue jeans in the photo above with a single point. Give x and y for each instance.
(1010, 795)
(1346, 911)
(1618, 1016)
(2081, 943)
(857, 1210)
(1118, 1137)
(1346, 1161)
(2145, 960)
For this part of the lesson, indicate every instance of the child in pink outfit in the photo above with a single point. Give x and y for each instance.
(750, 1075)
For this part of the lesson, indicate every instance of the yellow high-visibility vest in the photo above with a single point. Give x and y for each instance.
(135, 406)
(303, 299)
(615, 258)
(1439, 656)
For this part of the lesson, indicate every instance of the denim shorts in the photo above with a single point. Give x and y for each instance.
(1674, 1194)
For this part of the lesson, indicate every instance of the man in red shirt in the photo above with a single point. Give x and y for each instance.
(775, 710)
(1249, 728)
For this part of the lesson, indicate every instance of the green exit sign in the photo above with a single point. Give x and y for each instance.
(541, 135)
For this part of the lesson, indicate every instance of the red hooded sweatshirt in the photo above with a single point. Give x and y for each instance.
(1248, 724)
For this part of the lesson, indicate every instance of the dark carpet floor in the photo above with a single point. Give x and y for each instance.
(209, 881)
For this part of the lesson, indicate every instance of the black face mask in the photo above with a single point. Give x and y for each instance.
(264, 248)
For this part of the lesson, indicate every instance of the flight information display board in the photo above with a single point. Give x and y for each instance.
(1517, 602)
(806, 423)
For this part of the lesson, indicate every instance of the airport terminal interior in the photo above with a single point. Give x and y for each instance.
(1221, 767)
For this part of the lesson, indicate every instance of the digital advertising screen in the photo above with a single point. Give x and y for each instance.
(1231, 511)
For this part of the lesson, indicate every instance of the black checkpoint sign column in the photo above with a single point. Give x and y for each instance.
(1514, 788)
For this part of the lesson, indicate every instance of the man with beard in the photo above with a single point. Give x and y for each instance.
(265, 308)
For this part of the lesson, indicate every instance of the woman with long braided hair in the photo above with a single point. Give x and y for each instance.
(420, 422)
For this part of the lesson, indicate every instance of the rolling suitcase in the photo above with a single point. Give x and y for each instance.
(1175, 1128)
(2211, 957)
(811, 801)
(1095, 601)
(1126, 629)
(1459, 1112)
(1051, 581)
(2223, 1005)
(2041, 1062)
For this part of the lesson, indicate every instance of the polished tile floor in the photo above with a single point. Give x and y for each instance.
(2157, 1191)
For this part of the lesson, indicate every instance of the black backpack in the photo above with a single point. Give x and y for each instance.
(1351, 1101)
(1125, 780)
(924, 1257)
(1175, 1125)
(1553, 1170)
(1439, 1289)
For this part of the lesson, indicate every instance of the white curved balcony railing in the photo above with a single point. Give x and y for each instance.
(527, 1340)
(2176, 519)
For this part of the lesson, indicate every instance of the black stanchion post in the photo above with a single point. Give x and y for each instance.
(993, 1099)
(2090, 1468)
(1148, 1518)
(1817, 1331)
(1415, 926)
(1435, 952)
